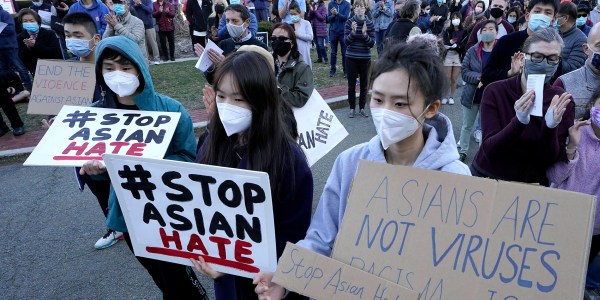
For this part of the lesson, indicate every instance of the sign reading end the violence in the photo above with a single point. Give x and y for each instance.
(319, 130)
(80, 134)
(175, 211)
(320, 277)
(57, 83)
(449, 236)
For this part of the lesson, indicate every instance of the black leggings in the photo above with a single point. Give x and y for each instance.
(357, 68)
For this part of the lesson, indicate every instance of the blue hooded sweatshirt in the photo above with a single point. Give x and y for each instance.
(439, 153)
(183, 144)
(97, 11)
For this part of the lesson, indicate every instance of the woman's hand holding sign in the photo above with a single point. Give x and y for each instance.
(204, 268)
(266, 289)
(92, 167)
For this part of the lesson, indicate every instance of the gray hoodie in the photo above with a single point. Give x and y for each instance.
(439, 153)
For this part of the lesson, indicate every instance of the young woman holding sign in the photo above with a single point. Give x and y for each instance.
(124, 77)
(247, 132)
(408, 81)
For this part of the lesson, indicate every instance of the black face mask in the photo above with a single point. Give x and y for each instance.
(219, 8)
(281, 48)
(496, 12)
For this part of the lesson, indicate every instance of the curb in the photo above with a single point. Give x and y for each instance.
(334, 103)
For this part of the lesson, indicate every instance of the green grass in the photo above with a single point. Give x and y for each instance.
(183, 82)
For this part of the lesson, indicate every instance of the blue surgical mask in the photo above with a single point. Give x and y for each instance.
(555, 25)
(295, 18)
(31, 27)
(440, 1)
(79, 47)
(511, 20)
(234, 2)
(119, 9)
(581, 21)
(538, 21)
(37, 4)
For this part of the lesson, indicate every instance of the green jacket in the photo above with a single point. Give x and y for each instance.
(183, 144)
(296, 82)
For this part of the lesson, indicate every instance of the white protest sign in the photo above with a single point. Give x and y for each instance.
(8, 6)
(80, 134)
(535, 82)
(58, 82)
(319, 130)
(204, 61)
(175, 211)
(449, 236)
(320, 277)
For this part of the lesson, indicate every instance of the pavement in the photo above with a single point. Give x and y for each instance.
(11, 145)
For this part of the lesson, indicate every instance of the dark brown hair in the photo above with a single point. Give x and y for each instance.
(267, 144)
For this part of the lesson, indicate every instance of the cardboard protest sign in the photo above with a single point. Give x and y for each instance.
(450, 236)
(80, 134)
(176, 211)
(263, 37)
(319, 130)
(58, 82)
(320, 277)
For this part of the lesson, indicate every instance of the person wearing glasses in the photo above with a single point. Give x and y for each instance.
(294, 76)
(582, 82)
(516, 145)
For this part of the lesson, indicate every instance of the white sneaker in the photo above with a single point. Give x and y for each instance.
(110, 238)
(477, 136)
(451, 101)
(156, 62)
(445, 101)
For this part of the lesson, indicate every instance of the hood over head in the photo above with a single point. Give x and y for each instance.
(130, 50)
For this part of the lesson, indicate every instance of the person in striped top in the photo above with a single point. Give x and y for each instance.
(359, 34)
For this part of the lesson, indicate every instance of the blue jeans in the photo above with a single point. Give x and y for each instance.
(334, 38)
(469, 115)
(321, 51)
(9, 58)
(379, 38)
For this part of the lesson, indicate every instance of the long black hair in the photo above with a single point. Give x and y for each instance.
(267, 143)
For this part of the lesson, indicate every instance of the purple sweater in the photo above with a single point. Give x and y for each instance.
(579, 174)
(511, 150)
(318, 18)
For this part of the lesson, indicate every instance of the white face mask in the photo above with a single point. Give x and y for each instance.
(393, 127)
(456, 22)
(122, 83)
(235, 119)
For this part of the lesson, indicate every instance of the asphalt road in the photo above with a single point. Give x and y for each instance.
(48, 229)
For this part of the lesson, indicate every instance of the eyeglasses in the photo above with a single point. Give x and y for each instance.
(279, 38)
(538, 58)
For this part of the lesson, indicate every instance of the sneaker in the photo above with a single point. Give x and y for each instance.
(331, 73)
(462, 157)
(477, 136)
(352, 113)
(319, 60)
(363, 113)
(445, 101)
(110, 238)
(451, 101)
(156, 62)
(172, 59)
(458, 144)
(18, 131)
